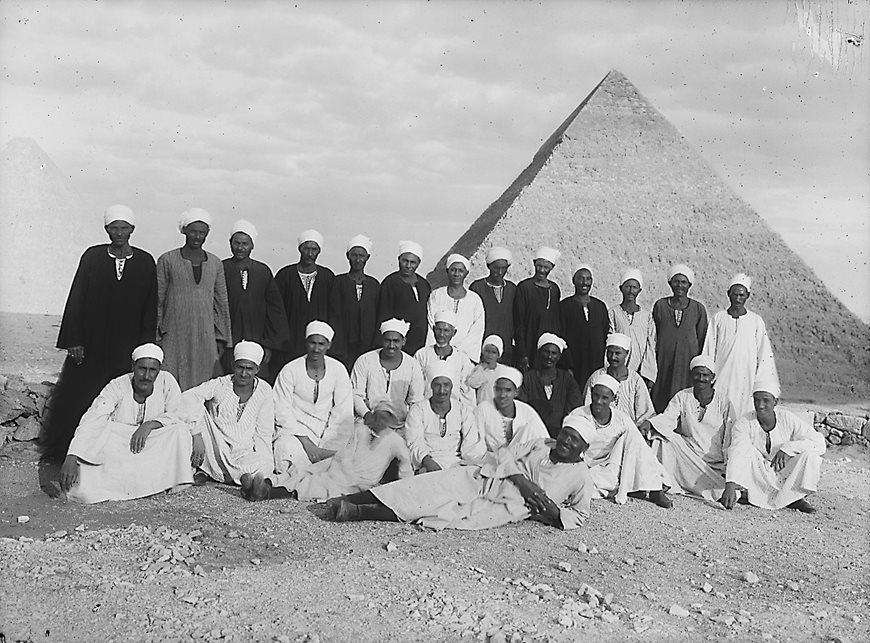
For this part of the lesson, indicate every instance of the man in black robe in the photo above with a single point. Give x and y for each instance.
(536, 308)
(497, 295)
(404, 295)
(585, 326)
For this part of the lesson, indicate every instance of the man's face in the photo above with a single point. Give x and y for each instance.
(543, 268)
(737, 295)
(442, 387)
(392, 343)
(497, 270)
(119, 232)
(195, 234)
(764, 403)
(408, 263)
(357, 258)
(569, 445)
(241, 246)
(244, 372)
(548, 355)
(583, 281)
(145, 371)
(602, 398)
(680, 285)
(489, 354)
(702, 377)
(616, 356)
(316, 345)
(630, 289)
(443, 333)
(504, 393)
(309, 251)
(456, 274)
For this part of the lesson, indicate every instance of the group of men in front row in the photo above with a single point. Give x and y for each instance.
(386, 444)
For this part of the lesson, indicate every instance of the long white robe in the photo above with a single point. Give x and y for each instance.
(470, 319)
(326, 421)
(461, 365)
(108, 470)
(633, 398)
(619, 458)
(743, 354)
(642, 331)
(479, 497)
(371, 384)
(691, 442)
(482, 380)
(234, 445)
(527, 426)
(749, 459)
(461, 443)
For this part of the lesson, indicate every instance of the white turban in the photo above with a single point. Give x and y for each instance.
(152, 351)
(411, 246)
(360, 241)
(603, 379)
(551, 338)
(682, 269)
(310, 235)
(703, 360)
(396, 326)
(446, 316)
(768, 385)
(118, 213)
(549, 254)
(498, 252)
(245, 226)
(582, 425)
(494, 340)
(632, 273)
(509, 373)
(618, 339)
(389, 407)
(319, 328)
(250, 351)
(583, 266)
(441, 368)
(458, 258)
(194, 214)
(740, 279)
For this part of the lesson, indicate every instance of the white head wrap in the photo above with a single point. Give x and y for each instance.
(441, 368)
(454, 258)
(319, 328)
(582, 425)
(603, 379)
(509, 373)
(360, 241)
(494, 340)
(396, 326)
(632, 273)
(118, 213)
(682, 269)
(388, 406)
(446, 316)
(618, 339)
(549, 254)
(411, 246)
(741, 279)
(769, 385)
(191, 215)
(498, 252)
(551, 338)
(703, 360)
(310, 235)
(583, 266)
(152, 351)
(245, 226)
(250, 351)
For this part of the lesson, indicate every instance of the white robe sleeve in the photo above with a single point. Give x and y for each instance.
(666, 423)
(417, 387)
(643, 406)
(93, 431)
(193, 404)
(472, 447)
(576, 508)
(340, 418)
(648, 364)
(478, 323)
(805, 439)
(285, 413)
(359, 376)
(415, 434)
(264, 432)
(172, 401)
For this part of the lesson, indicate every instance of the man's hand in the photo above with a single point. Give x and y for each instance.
(538, 502)
(137, 442)
(69, 473)
(780, 459)
(314, 452)
(197, 455)
(368, 419)
(428, 464)
(729, 496)
(524, 364)
(645, 429)
(77, 353)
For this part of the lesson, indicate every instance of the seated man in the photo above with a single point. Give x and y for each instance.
(551, 391)
(689, 437)
(234, 420)
(774, 456)
(440, 432)
(130, 443)
(442, 351)
(620, 461)
(313, 403)
(633, 398)
(504, 419)
(544, 480)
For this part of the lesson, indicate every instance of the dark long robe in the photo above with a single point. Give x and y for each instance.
(355, 321)
(536, 311)
(256, 312)
(566, 397)
(298, 310)
(586, 338)
(109, 318)
(499, 315)
(676, 346)
(397, 300)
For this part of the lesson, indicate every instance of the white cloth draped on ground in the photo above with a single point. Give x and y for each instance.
(479, 497)
(619, 458)
(527, 426)
(321, 411)
(358, 466)
(743, 354)
(460, 444)
(470, 320)
(108, 470)
(234, 444)
(641, 329)
(691, 442)
(461, 365)
(481, 380)
(749, 459)
(371, 384)
(633, 398)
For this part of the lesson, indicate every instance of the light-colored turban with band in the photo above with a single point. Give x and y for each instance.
(494, 340)
(310, 235)
(549, 254)
(446, 316)
(703, 360)
(150, 351)
(411, 246)
(767, 385)
(118, 213)
(682, 269)
(246, 227)
(396, 326)
(360, 241)
(498, 252)
(441, 369)
(580, 424)
(509, 373)
(250, 351)
(603, 379)
(319, 328)
(632, 273)
(618, 339)
(741, 279)
(551, 338)
(458, 258)
(192, 215)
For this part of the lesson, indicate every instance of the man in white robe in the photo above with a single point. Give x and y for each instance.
(505, 420)
(468, 307)
(443, 351)
(130, 443)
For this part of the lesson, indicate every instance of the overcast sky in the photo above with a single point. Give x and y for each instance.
(407, 119)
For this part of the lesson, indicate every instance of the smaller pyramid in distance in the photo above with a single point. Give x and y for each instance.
(44, 225)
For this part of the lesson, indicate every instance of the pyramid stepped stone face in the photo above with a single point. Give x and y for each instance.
(617, 186)
(44, 227)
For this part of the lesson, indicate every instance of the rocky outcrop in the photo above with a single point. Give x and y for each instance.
(23, 406)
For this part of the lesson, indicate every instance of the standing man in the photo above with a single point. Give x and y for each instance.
(498, 295)
(536, 308)
(404, 295)
(585, 324)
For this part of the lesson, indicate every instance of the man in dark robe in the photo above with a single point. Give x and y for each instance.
(585, 326)
(498, 295)
(111, 309)
(404, 295)
(536, 308)
(551, 391)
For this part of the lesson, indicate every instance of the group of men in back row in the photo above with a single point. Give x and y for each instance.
(457, 408)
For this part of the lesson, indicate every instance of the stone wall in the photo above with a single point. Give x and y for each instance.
(23, 407)
(841, 429)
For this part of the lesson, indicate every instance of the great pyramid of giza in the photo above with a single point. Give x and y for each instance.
(617, 186)
(44, 228)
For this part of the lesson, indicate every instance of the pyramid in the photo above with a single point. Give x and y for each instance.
(44, 224)
(617, 186)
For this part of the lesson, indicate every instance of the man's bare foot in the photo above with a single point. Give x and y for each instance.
(260, 486)
(743, 499)
(200, 479)
(638, 495)
(247, 483)
(345, 511)
(803, 506)
(661, 499)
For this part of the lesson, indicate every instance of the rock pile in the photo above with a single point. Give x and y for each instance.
(842, 429)
(23, 407)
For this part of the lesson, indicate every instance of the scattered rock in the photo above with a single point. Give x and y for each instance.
(629, 562)
(706, 588)
(255, 561)
(23, 519)
(563, 566)
(848, 423)
(750, 577)
(391, 546)
(677, 610)
(795, 587)
(233, 534)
